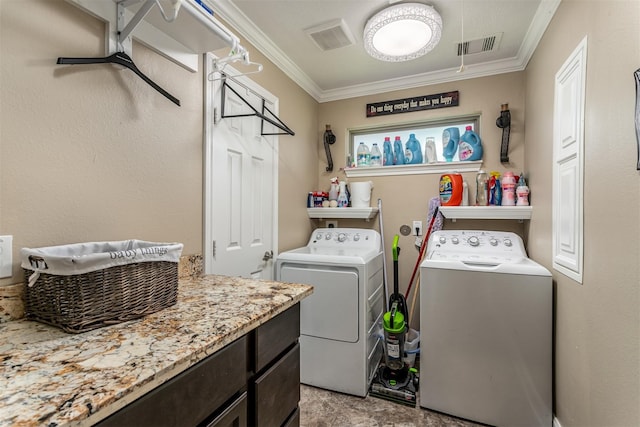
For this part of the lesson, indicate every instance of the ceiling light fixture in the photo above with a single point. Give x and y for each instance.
(402, 32)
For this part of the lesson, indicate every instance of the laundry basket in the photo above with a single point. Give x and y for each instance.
(85, 286)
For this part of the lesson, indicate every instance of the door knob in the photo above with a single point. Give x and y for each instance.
(267, 256)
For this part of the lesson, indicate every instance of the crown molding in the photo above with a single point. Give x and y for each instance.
(243, 25)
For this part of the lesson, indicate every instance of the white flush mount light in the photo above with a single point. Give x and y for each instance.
(402, 32)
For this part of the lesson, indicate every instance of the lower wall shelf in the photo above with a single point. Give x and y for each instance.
(487, 212)
(349, 213)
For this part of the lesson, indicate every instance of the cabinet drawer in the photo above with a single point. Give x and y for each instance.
(277, 391)
(294, 420)
(276, 336)
(234, 416)
(192, 396)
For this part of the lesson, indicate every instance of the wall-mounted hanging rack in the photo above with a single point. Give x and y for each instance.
(203, 15)
(263, 117)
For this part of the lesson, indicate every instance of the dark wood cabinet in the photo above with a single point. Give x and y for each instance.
(274, 383)
(235, 415)
(254, 381)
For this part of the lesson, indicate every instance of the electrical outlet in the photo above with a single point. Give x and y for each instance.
(6, 255)
(331, 224)
(417, 228)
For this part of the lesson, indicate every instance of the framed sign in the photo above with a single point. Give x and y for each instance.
(417, 103)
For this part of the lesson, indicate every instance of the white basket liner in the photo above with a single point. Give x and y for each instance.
(83, 258)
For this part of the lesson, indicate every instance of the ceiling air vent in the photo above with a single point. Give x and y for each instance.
(485, 44)
(331, 35)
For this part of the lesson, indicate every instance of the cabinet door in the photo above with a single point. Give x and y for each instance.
(294, 420)
(192, 396)
(277, 391)
(234, 416)
(276, 336)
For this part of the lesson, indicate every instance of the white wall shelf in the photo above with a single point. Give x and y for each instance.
(487, 212)
(420, 169)
(348, 213)
(182, 41)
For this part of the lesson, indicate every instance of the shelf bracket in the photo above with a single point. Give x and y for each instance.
(124, 29)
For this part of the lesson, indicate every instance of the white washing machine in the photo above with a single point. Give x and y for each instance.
(486, 319)
(339, 343)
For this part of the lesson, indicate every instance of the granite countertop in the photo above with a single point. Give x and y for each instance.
(51, 378)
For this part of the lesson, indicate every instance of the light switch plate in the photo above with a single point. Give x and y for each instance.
(6, 256)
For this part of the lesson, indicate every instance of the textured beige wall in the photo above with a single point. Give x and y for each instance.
(406, 198)
(91, 153)
(597, 356)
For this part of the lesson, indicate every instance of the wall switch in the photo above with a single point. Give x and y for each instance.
(417, 228)
(6, 255)
(331, 224)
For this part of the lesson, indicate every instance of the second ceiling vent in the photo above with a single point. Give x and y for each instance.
(331, 35)
(485, 44)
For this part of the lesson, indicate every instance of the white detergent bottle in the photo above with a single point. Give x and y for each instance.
(343, 199)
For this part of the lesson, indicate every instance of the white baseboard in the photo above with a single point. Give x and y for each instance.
(556, 422)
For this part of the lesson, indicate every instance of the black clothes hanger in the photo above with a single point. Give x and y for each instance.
(123, 59)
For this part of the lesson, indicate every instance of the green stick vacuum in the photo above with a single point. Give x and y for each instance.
(394, 380)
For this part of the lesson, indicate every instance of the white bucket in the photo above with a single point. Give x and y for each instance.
(410, 345)
(360, 194)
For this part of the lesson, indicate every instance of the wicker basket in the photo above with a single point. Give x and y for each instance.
(82, 302)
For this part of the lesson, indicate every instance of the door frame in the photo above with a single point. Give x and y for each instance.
(208, 121)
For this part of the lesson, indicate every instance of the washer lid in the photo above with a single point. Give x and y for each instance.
(330, 255)
(487, 264)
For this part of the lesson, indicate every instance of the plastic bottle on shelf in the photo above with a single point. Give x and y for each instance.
(522, 192)
(376, 155)
(450, 140)
(451, 189)
(413, 152)
(363, 156)
(470, 145)
(387, 152)
(430, 153)
(482, 194)
(508, 189)
(398, 152)
(465, 194)
(495, 190)
(343, 199)
(333, 192)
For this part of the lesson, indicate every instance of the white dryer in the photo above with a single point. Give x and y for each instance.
(486, 322)
(339, 343)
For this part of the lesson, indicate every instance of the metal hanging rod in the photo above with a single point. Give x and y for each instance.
(263, 117)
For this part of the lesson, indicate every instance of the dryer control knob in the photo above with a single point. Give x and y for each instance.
(473, 241)
(342, 237)
(507, 242)
(328, 236)
(356, 237)
(443, 239)
(493, 242)
(318, 236)
(455, 240)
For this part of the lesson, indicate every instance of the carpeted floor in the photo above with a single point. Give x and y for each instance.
(323, 408)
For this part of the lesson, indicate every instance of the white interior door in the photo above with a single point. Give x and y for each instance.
(241, 180)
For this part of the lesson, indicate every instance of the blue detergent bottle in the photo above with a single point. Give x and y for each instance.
(387, 152)
(450, 140)
(470, 146)
(413, 152)
(398, 151)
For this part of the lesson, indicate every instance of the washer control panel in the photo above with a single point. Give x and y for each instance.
(476, 244)
(345, 237)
